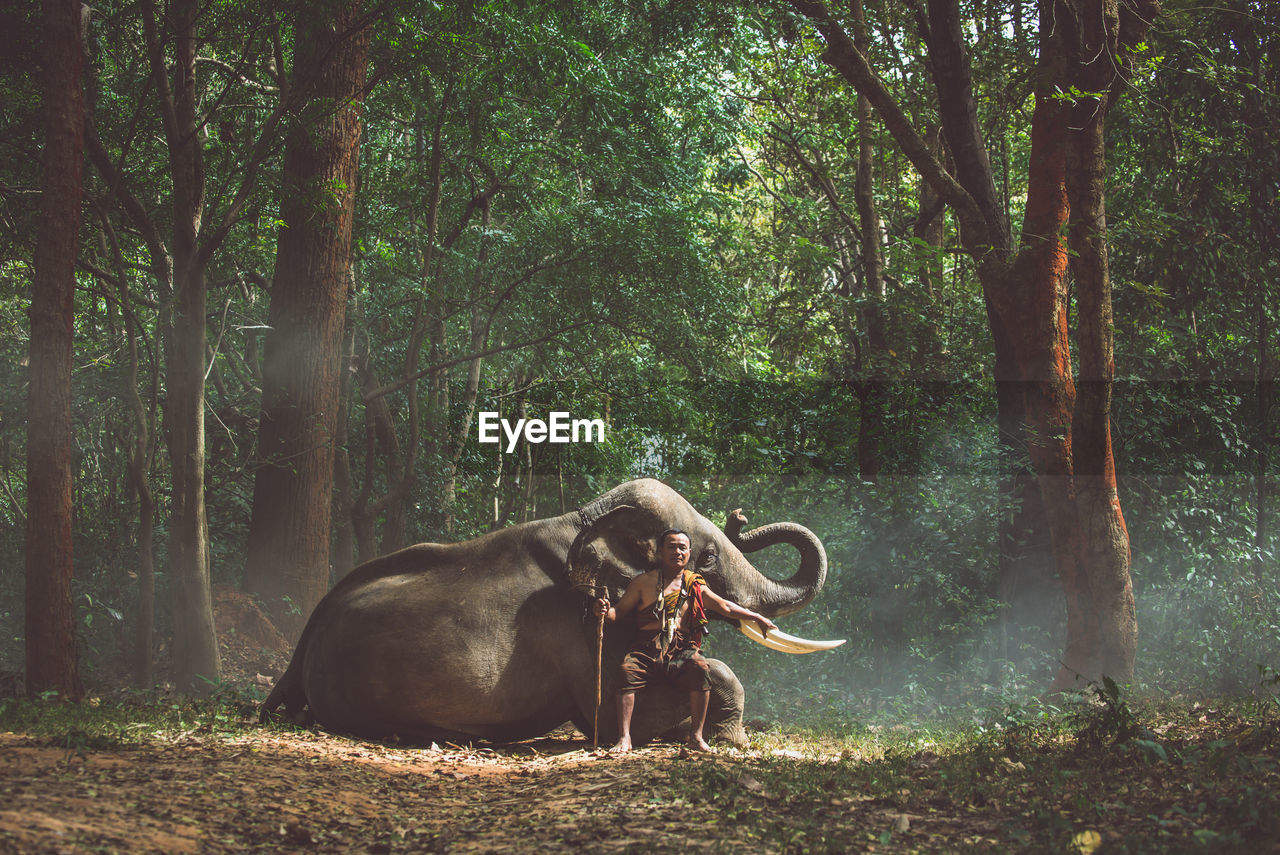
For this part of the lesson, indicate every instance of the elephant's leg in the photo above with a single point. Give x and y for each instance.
(724, 713)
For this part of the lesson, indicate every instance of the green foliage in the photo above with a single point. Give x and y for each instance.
(1105, 719)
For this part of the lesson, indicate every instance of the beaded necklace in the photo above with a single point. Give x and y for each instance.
(669, 620)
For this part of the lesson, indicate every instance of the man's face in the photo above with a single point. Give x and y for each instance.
(675, 552)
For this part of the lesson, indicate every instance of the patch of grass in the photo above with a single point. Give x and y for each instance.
(129, 718)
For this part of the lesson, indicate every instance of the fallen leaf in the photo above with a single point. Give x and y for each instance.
(1085, 842)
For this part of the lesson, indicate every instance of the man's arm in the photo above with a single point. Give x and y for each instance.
(730, 609)
(630, 599)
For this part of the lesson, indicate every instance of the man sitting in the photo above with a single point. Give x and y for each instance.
(670, 604)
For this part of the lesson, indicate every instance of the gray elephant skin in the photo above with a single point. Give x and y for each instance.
(489, 638)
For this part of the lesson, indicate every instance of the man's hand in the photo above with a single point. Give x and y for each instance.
(602, 608)
(763, 622)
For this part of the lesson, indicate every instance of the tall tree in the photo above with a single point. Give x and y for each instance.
(195, 648)
(289, 534)
(183, 240)
(1102, 638)
(871, 392)
(52, 662)
(1083, 54)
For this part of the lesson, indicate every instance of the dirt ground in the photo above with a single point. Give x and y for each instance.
(303, 791)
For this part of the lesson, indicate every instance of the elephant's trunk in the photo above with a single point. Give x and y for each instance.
(770, 597)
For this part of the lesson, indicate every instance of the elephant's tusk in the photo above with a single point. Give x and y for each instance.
(779, 640)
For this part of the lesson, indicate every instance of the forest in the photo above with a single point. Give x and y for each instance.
(981, 294)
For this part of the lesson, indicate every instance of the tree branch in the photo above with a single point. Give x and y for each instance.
(842, 55)
(449, 363)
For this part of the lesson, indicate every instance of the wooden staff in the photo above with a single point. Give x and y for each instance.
(595, 724)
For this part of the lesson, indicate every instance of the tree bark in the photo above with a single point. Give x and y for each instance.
(1102, 636)
(958, 111)
(1027, 315)
(52, 662)
(381, 441)
(480, 325)
(289, 536)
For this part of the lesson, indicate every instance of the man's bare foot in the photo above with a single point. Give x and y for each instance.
(622, 746)
(697, 743)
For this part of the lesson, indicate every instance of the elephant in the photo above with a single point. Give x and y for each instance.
(490, 638)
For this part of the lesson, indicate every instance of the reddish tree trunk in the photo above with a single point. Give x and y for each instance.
(288, 551)
(1068, 434)
(1102, 636)
(52, 663)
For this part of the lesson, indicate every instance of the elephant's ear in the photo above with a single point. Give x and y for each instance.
(591, 574)
(589, 569)
(616, 547)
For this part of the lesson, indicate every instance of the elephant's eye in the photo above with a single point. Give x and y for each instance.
(708, 558)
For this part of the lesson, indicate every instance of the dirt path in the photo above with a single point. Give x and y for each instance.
(304, 791)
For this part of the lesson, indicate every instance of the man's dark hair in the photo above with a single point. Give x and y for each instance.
(662, 538)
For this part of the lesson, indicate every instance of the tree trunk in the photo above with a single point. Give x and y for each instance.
(138, 467)
(1025, 571)
(958, 112)
(51, 659)
(195, 651)
(289, 535)
(181, 275)
(1102, 629)
(1027, 314)
(1068, 434)
(480, 324)
(872, 392)
(195, 648)
(344, 545)
(382, 442)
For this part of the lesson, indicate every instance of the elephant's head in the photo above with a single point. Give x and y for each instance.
(619, 535)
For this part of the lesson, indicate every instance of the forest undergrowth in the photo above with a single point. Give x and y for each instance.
(1099, 772)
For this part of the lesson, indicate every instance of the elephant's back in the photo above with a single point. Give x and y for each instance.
(433, 645)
